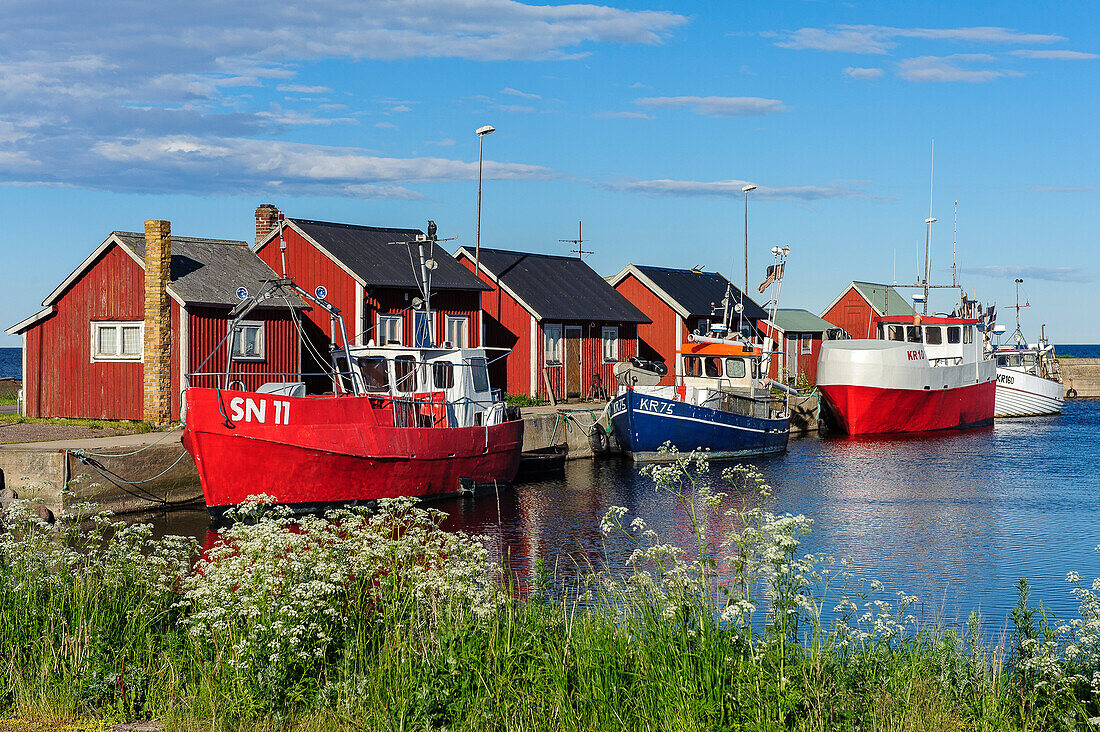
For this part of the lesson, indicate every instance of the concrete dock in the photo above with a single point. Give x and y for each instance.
(1082, 375)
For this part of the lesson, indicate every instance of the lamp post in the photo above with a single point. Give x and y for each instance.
(481, 133)
(745, 189)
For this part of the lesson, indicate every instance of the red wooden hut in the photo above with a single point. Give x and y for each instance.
(856, 307)
(797, 335)
(372, 275)
(678, 302)
(566, 326)
(117, 336)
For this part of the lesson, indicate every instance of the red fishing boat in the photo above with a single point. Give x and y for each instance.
(399, 421)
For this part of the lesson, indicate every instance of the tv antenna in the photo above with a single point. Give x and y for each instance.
(580, 251)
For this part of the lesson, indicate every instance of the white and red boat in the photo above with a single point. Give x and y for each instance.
(920, 373)
(399, 421)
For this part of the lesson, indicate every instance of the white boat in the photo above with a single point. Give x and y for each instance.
(1029, 380)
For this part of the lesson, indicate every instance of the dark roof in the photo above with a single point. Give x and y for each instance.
(208, 271)
(697, 292)
(370, 252)
(560, 288)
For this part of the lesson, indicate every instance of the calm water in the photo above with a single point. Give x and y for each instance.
(11, 363)
(954, 518)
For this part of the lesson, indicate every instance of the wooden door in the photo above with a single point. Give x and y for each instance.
(573, 386)
(792, 357)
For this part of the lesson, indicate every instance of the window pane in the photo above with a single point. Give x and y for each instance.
(376, 377)
(952, 334)
(553, 343)
(713, 366)
(481, 374)
(456, 331)
(107, 337)
(610, 344)
(131, 340)
(896, 333)
(443, 374)
(251, 341)
(913, 334)
(692, 367)
(735, 368)
(404, 369)
(807, 344)
(933, 335)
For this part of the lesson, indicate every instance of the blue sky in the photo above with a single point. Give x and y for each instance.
(642, 119)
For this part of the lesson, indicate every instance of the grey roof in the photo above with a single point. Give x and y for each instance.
(883, 298)
(208, 271)
(796, 320)
(372, 254)
(697, 292)
(560, 288)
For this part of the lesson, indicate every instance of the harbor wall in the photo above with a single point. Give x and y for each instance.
(1082, 375)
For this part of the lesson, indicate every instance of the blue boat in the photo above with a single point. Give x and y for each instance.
(719, 403)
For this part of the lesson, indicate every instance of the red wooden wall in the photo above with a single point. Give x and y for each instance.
(660, 335)
(507, 325)
(591, 358)
(806, 363)
(444, 303)
(310, 268)
(852, 313)
(61, 379)
(206, 331)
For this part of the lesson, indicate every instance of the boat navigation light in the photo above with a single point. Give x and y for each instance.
(775, 251)
(786, 250)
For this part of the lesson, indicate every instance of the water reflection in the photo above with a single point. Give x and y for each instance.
(953, 517)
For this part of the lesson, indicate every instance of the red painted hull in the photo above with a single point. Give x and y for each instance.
(865, 410)
(319, 450)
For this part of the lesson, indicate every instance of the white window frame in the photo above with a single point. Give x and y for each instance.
(262, 341)
(465, 320)
(807, 344)
(553, 346)
(610, 355)
(118, 325)
(400, 320)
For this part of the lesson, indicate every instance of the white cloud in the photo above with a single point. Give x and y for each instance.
(950, 68)
(878, 39)
(716, 106)
(623, 115)
(728, 188)
(517, 93)
(1055, 55)
(1064, 189)
(400, 108)
(856, 72)
(514, 108)
(303, 89)
(76, 77)
(1053, 274)
(386, 125)
(445, 142)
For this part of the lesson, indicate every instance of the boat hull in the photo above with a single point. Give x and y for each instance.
(874, 387)
(643, 423)
(330, 450)
(1020, 394)
(865, 410)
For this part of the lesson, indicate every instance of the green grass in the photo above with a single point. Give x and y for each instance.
(92, 424)
(387, 622)
(523, 400)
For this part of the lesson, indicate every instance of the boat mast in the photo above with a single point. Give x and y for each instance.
(954, 248)
(928, 225)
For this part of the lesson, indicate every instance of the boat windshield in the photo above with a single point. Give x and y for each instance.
(404, 371)
(913, 334)
(480, 371)
(376, 376)
(443, 374)
(933, 336)
(735, 368)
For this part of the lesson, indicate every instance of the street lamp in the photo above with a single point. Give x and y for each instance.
(481, 133)
(745, 189)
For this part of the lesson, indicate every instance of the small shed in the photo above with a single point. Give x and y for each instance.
(797, 335)
(856, 307)
(565, 325)
(117, 337)
(678, 302)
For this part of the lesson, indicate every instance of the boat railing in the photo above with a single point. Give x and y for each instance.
(241, 381)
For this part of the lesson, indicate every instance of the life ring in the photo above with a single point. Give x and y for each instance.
(1071, 393)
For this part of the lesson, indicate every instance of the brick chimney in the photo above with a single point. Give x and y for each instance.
(158, 323)
(267, 220)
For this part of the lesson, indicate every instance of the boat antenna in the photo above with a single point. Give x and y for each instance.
(427, 265)
(282, 243)
(579, 241)
(928, 224)
(954, 248)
